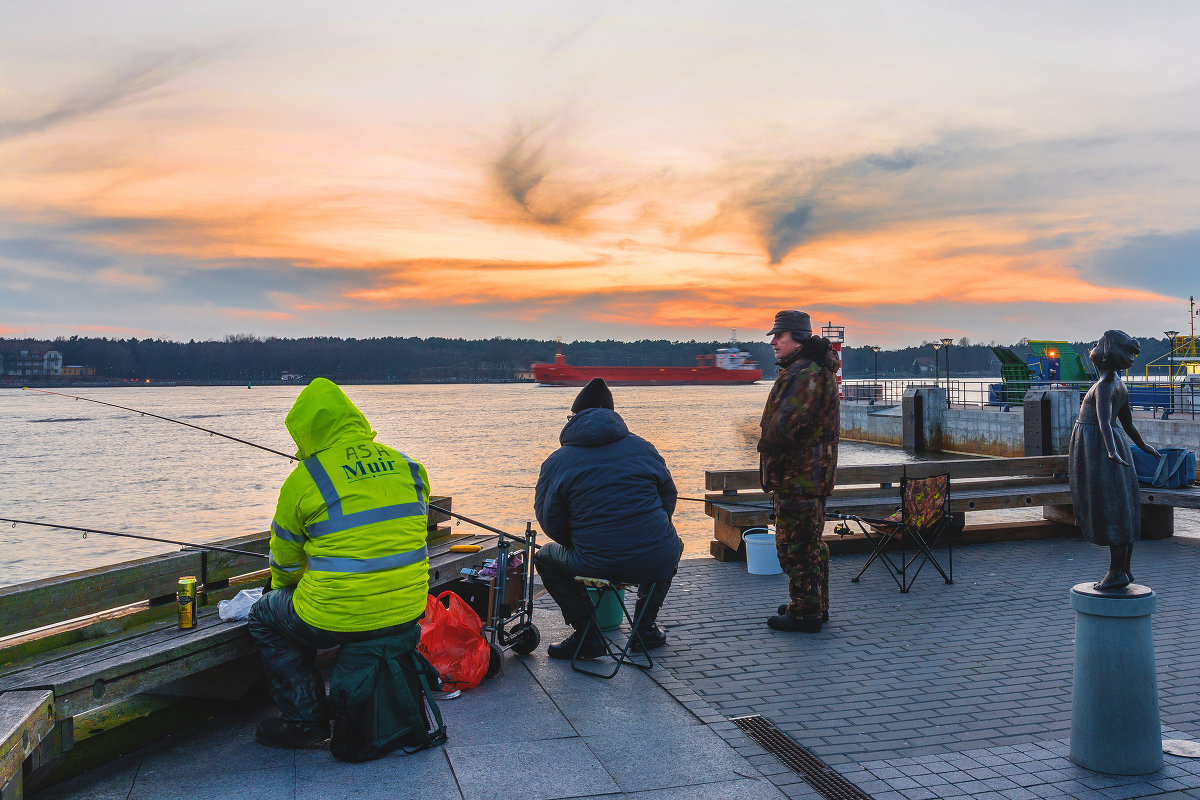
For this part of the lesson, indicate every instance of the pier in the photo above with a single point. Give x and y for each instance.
(945, 692)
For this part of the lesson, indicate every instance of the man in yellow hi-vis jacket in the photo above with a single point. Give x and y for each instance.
(348, 557)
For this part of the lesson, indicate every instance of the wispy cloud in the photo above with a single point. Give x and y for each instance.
(962, 174)
(531, 178)
(123, 85)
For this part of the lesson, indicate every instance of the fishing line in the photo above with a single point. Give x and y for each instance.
(86, 531)
(750, 504)
(167, 419)
(288, 456)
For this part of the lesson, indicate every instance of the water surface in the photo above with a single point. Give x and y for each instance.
(84, 464)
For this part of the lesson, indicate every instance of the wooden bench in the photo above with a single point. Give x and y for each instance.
(105, 637)
(984, 484)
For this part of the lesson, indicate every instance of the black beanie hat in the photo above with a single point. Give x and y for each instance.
(594, 395)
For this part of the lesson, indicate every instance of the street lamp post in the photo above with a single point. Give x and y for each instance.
(1170, 373)
(875, 380)
(946, 343)
(937, 363)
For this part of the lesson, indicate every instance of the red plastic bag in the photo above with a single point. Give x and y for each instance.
(452, 640)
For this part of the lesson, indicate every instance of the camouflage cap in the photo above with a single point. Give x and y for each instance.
(793, 321)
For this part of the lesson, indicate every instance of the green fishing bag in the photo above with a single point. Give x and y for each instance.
(381, 696)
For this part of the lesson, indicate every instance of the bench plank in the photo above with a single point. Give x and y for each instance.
(1179, 498)
(25, 719)
(727, 480)
(157, 653)
(961, 500)
(25, 606)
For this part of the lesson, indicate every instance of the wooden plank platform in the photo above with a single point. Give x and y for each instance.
(102, 637)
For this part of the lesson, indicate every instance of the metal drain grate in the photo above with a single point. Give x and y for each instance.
(819, 775)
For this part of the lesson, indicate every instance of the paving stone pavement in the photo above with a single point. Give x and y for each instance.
(945, 692)
(980, 667)
(539, 731)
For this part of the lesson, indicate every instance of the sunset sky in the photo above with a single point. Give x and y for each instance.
(624, 170)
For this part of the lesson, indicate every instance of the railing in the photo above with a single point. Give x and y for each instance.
(1162, 398)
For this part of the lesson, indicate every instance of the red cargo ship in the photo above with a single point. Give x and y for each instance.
(727, 365)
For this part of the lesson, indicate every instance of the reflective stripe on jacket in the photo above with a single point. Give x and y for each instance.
(350, 524)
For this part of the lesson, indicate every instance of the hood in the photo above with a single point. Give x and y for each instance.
(322, 416)
(593, 427)
(815, 349)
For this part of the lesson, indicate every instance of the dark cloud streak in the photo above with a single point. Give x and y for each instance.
(961, 174)
(124, 85)
(524, 175)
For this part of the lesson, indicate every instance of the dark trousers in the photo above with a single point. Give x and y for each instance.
(572, 597)
(288, 646)
(799, 522)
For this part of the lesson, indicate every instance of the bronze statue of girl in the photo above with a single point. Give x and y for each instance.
(1104, 486)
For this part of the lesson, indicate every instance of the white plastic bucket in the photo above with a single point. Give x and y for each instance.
(761, 556)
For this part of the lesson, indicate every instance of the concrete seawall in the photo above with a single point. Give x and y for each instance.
(1043, 427)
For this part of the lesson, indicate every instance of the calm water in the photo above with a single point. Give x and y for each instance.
(83, 464)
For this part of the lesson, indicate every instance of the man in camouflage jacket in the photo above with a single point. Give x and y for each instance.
(797, 461)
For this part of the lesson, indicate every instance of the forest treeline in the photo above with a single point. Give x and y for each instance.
(416, 360)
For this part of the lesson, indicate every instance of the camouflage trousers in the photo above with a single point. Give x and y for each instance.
(799, 521)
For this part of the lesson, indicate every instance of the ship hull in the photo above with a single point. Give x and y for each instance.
(566, 375)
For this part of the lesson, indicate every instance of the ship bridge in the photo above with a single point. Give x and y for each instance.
(727, 358)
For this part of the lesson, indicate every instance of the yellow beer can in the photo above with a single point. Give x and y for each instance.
(187, 601)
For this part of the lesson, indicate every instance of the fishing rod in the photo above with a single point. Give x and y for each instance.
(86, 531)
(749, 504)
(288, 456)
(166, 419)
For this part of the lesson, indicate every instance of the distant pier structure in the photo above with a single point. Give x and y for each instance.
(836, 334)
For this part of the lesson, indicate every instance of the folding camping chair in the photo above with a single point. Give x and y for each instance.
(618, 653)
(922, 520)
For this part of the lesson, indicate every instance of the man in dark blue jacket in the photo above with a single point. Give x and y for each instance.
(606, 499)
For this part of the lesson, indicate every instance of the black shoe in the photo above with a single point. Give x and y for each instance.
(593, 647)
(279, 732)
(783, 607)
(653, 637)
(782, 622)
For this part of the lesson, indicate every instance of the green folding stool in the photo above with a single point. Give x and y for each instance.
(618, 653)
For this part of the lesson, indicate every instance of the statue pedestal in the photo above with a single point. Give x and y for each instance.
(1115, 726)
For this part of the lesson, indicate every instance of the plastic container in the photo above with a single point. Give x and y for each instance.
(609, 613)
(761, 556)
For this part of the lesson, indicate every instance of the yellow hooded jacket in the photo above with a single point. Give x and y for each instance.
(350, 525)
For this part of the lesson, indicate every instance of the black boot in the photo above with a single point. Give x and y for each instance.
(593, 647)
(280, 732)
(783, 607)
(782, 622)
(653, 637)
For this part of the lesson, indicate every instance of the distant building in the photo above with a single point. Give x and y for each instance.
(23, 364)
(52, 363)
(923, 364)
(289, 376)
(30, 364)
(77, 371)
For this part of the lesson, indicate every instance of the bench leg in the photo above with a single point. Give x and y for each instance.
(731, 537)
(12, 789)
(1061, 513)
(1158, 522)
(721, 552)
